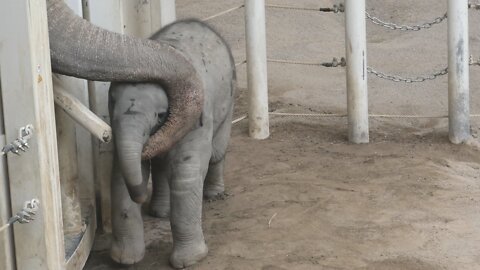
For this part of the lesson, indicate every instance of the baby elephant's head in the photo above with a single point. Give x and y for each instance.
(137, 111)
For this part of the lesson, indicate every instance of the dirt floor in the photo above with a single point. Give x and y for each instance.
(307, 199)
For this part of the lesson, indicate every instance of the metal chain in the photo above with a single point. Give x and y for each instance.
(394, 26)
(396, 78)
(335, 9)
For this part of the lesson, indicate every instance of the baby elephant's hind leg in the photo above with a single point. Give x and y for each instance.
(214, 185)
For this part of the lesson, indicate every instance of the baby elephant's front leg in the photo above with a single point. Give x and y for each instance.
(186, 189)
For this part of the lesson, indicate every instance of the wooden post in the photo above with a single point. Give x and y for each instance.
(79, 89)
(7, 258)
(106, 14)
(168, 12)
(141, 18)
(67, 159)
(27, 86)
(257, 69)
(133, 17)
(458, 72)
(356, 54)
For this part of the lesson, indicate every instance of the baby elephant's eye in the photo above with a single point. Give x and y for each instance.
(161, 116)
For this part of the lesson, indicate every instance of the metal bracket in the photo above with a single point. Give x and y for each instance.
(21, 143)
(336, 8)
(474, 6)
(27, 214)
(336, 63)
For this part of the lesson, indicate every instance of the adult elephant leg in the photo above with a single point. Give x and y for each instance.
(189, 167)
(128, 244)
(160, 202)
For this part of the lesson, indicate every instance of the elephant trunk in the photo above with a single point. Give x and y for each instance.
(83, 50)
(129, 157)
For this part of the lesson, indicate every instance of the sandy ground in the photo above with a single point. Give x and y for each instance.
(307, 199)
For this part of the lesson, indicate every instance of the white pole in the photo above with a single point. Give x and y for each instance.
(356, 53)
(458, 71)
(257, 69)
(167, 12)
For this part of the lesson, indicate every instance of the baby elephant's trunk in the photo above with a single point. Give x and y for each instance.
(130, 154)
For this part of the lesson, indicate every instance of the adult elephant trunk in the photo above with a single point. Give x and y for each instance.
(83, 50)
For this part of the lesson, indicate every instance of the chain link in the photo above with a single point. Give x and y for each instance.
(394, 26)
(397, 78)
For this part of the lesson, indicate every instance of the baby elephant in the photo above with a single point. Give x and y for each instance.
(193, 168)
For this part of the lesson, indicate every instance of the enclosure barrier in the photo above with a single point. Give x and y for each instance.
(459, 112)
(357, 68)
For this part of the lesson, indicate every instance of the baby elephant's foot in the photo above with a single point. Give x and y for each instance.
(159, 209)
(188, 255)
(127, 252)
(213, 191)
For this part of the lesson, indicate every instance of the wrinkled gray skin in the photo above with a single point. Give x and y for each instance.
(194, 166)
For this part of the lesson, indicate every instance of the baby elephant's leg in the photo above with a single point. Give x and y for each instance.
(189, 167)
(128, 245)
(160, 203)
(214, 185)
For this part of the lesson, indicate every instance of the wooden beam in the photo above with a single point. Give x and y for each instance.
(79, 112)
(27, 86)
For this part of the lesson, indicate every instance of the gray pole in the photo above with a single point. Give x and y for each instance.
(257, 69)
(356, 54)
(458, 71)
